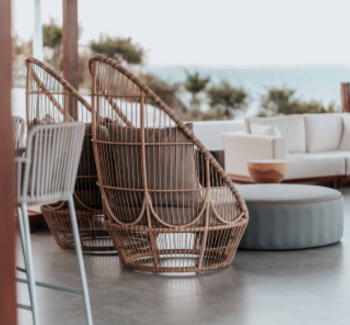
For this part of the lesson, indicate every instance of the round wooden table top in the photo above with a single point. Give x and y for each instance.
(267, 170)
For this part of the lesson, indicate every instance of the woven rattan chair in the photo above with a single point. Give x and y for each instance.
(51, 99)
(45, 174)
(162, 213)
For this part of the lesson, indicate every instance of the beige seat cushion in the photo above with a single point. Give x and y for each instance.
(223, 202)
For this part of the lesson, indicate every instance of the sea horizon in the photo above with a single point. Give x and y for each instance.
(311, 82)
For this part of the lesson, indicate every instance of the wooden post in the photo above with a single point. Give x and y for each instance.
(70, 50)
(8, 312)
(345, 97)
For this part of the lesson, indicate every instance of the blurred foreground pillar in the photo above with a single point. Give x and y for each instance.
(345, 97)
(70, 49)
(8, 313)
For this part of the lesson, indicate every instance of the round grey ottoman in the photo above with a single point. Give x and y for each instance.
(288, 216)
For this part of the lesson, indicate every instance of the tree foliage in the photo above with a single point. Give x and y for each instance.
(284, 101)
(123, 50)
(194, 84)
(167, 92)
(225, 99)
(52, 35)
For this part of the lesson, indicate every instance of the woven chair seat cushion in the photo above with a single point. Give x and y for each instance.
(168, 167)
(180, 215)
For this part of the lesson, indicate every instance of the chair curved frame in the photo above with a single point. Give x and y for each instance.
(51, 99)
(147, 241)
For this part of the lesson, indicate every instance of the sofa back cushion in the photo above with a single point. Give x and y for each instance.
(345, 141)
(258, 129)
(323, 131)
(291, 127)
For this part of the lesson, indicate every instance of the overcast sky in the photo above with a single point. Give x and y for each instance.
(232, 33)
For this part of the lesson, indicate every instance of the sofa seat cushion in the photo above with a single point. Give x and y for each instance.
(315, 165)
(323, 131)
(290, 127)
(335, 153)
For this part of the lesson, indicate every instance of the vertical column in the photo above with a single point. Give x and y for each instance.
(38, 32)
(345, 97)
(70, 50)
(8, 314)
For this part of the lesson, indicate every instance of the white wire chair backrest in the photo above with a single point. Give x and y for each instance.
(18, 131)
(47, 172)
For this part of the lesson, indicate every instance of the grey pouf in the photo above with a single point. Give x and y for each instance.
(289, 216)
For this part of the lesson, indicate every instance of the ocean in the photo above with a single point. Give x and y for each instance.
(311, 83)
(321, 83)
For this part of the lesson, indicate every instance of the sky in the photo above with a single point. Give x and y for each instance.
(212, 33)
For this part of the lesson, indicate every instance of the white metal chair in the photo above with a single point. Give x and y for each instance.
(18, 130)
(46, 174)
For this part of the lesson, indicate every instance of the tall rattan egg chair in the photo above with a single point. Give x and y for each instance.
(51, 99)
(162, 213)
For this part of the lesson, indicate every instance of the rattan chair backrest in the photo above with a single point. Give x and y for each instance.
(51, 99)
(147, 158)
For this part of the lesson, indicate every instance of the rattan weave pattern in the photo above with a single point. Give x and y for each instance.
(161, 213)
(51, 99)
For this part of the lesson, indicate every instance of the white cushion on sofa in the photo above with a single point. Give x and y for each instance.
(336, 153)
(345, 141)
(306, 165)
(259, 129)
(323, 131)
(291, 127)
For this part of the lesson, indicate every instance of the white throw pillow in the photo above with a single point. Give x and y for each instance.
(291, 127)
(323, 131)
(258, 129)
(345, 141)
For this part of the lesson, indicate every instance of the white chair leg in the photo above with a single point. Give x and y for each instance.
(24, 249)
(29, 264)
(79, 253)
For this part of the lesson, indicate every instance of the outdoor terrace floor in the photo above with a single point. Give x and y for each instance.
(310, 286)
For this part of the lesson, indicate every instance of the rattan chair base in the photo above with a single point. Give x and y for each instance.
(93, 233)
(134, 246)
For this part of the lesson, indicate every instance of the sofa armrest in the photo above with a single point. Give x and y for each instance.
(241, 147)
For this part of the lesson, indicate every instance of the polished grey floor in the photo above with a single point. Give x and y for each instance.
(291, 287)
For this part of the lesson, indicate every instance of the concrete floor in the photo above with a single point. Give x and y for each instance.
(309, 286)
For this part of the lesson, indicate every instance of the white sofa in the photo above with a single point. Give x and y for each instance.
(317, 146)
(208, 132)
